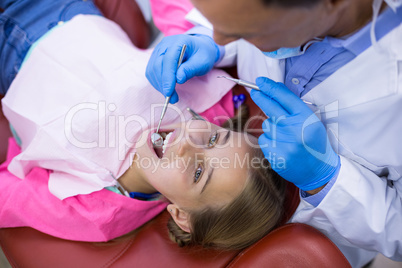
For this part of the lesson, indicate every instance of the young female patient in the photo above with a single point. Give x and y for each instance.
(84, 112)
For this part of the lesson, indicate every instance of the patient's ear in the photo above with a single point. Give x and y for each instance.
(180, 217)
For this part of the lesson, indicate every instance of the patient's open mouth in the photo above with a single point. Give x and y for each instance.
(161, 150)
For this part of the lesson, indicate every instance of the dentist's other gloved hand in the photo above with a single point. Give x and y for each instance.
(199, 58)
(294, 141)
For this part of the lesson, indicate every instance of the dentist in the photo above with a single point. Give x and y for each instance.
(345, 56)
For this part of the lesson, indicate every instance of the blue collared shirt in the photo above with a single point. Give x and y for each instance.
(321, 59)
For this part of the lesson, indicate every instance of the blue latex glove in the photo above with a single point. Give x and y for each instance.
(199, 58)
(295, 141)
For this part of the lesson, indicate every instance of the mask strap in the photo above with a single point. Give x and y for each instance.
(309, 43)
(376, 10)
(393, 4)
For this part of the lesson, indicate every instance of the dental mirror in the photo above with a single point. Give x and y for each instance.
(156, 138)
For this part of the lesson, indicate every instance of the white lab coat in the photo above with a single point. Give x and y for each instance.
(361, 107)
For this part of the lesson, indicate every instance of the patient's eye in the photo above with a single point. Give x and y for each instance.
(213, 139)
(198, 173)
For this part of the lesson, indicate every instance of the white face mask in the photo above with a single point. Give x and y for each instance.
(284, 52)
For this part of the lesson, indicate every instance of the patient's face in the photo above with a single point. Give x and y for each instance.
(201, 164)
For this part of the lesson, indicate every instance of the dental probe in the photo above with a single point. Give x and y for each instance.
(156, 138)
(253, 86)
(194, 114)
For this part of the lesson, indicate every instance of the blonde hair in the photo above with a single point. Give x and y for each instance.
(249, 217)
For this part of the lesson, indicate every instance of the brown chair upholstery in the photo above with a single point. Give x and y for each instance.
(128, 15)
(4, 134)
(291, 245)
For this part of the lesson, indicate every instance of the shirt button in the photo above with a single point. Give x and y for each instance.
(295, 81)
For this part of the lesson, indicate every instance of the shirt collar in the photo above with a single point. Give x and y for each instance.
(360, 40)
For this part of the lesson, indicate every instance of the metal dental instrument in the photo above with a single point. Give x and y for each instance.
(241, 82)
(195, 115)
(253, 86)
(156, 138)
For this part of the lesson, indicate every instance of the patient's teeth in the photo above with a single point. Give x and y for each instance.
(166, 141)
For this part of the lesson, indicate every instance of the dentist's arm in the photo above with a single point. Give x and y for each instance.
(294, 140)
(200, 56)
(361, 213)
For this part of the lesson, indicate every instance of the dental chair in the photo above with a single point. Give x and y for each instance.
(290, 245)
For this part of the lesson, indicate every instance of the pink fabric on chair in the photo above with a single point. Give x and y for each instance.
(99, 216)
(5, 133)
(221, 111)
(169, 16)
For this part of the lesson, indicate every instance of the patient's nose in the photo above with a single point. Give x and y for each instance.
(190, 145)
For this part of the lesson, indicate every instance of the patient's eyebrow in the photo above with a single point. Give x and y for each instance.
(210, 172)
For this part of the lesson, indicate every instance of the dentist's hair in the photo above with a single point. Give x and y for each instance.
(249, 217)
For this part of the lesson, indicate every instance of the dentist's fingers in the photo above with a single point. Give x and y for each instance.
(169, 69)
(174, 98)
(268, 105)
(281, 94)
(197, 65)
(154, 73)
(154, 69)
(268, 145)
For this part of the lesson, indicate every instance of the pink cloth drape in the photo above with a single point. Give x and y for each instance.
(169, 16)
(99, 216)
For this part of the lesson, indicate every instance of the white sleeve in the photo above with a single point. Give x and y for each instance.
(361, 210)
